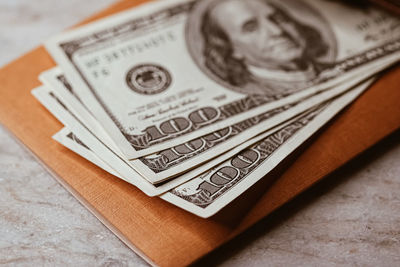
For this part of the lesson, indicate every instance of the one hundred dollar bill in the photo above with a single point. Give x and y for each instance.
(122, 168)
(168, 72)
(213, 190)
(121, 165)
(194, 157)
(210, 192)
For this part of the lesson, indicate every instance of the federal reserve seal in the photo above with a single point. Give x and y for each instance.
(148, 79)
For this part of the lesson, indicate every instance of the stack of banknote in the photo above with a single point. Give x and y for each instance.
(196, 101)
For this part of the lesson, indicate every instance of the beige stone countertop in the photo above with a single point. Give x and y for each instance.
(352, 218)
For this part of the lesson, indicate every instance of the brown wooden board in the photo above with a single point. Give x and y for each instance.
(162, 233)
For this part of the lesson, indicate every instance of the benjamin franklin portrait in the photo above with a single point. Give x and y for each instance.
(260, 46)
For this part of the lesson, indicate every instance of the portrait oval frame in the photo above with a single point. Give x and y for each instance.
(304, 13)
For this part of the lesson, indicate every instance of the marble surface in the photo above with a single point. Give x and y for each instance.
(352, 218)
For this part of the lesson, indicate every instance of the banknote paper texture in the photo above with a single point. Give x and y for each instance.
(211, 191)
(124, 170)
(189, 158)
(171, 71)
(172, 161)
(119, 164)
(68, 139)
(50, 100)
